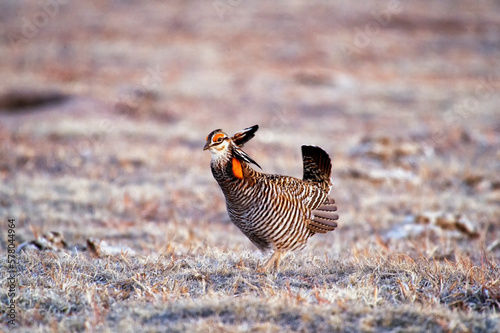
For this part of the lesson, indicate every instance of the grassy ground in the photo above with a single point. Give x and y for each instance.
(104, 108)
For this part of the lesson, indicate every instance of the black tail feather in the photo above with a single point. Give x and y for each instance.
(317, 164)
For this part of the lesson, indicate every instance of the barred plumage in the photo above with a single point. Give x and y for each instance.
(274, 211)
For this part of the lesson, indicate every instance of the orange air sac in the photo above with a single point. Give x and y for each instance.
(237, 169)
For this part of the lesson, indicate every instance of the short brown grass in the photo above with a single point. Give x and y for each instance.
(223, 291)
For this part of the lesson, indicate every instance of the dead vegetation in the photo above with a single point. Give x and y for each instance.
(223, 290)
(121, 227)
(190, 277)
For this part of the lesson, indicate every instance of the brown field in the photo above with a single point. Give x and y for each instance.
(104, 109)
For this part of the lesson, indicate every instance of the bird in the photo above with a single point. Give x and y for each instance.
(276, 212)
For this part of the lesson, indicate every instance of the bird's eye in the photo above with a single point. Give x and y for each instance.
(218, 138)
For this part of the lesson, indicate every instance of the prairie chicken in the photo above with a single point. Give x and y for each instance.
(275, 212)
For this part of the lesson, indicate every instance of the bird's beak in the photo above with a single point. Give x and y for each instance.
(207, 145)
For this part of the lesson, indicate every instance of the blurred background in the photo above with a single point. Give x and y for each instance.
(105, 106)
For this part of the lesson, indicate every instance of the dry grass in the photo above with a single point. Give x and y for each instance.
(222, 291)
(116, 166)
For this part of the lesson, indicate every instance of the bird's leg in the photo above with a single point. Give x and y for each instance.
(275, 259)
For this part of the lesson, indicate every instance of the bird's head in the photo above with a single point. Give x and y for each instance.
(223, 146)
(218, 143)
